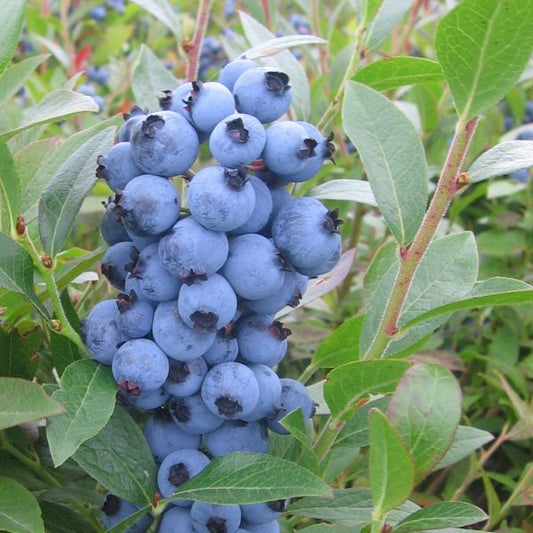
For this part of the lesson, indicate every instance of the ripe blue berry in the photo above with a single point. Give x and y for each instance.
(115, 509)
(135, 316)
(237, 436)
(262, 209)
(176, 520)
(269, 392)
(111, 226)
(262, 513)
(185, 377)
(223, 350)
(117, 261)
(210, 518)
(131, 119)
(192, 415)
(117, 167)
(232, 70)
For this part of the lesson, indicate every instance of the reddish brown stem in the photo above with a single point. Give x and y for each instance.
(204, 9)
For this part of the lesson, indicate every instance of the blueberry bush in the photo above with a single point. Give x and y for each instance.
(265, 266)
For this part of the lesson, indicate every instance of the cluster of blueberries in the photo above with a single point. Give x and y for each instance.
(192, 338)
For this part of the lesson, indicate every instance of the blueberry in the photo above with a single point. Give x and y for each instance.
(237, 436)
(223, 350)
(111, 226)
(115, 509)
(208, 104)
(520, 175)
(262, 513)
(262, 209)
(142, 241)
(175, 338)
(100, 332)
(264, 93)
(131, 119)
(140, 365)
(230, 390)
(98, 13)
(98, 74)
(232, 70)
(294, 395)
(261, 340)
(269, 392)
(176, 520)
(288, 148)
(280, 198)
(185, 377)
(237, 140)
(221, 199)
(268, 527)
(148, 205)
(192, 415)
(254, 267)
(117, 167)
(117, 261)
(146, 400)
(164, 144)
(210, 518)
(190, 251)
(176, 99)
(300, 24)
(177, 468)
(135, 316)
(133, 284)
(306, 233)
(164, 436)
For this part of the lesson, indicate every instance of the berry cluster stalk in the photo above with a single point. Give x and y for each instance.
(202, 18)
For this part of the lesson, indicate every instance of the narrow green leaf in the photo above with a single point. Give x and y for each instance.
(341, 346)
(392, 155)
(349, 383)
(23, 401)
(502, 159)
(251, 478)
(54, 106)
(388, 74)
(9, 186)
(120, 460)
(487, 293)
(345, 189)
(18, 353)
(426, 409)
(16, 271)
(150, 79)
(12, 16)
(392, 472)
(441, 515)
(278, 44)
(13, 78)
(483, 47)
(466, 440)
(348, 507)
(164, 12)
(19, 512)
(257, 34)
(389, 13)
(88, 393)
(62, 198)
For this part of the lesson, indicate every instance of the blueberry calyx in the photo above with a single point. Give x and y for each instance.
(216, 524)
(193, 95)
(308, 148)
(181, 411)
(165, 101)
(191, 275)
(236, 178)
(134, 111)
(178, 474)
(329, 148)
(111, 506)
(278, 331)
(331, 222)
(129, 387)
(228, 407)
(179, 372)
(277, 82)
(100, 168)
(151, 125)
(296, 298)
(126, 301)
(237, 131)
(204, 320)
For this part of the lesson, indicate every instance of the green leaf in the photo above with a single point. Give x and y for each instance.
(490, 292)
(54, 106)
(341, 346)
(440, 515)
(392, 472)
(16, 270)
(348, 507)
(12, 16)
(9, 186)
(389, 13)
(257, 34)
(251, 478)
(62, 519)
(483, 47)
(120, 460)
(123, 525)
(392, 155)
(23, 401)
(278, 44)
(345, 189)
(347, 384)
(88, 393)
(150, 79)
(426, 409)
(502, 159)
(20, 511)
(62, 198)
(395, 72)
(15, 75)
(163, 12)
(18, 353)
(466, 440)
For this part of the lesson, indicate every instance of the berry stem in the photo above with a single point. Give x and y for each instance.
(447, 186)
(202, 18)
